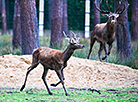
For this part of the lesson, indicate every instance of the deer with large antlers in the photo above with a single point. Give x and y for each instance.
(104, 33)
(54, 60)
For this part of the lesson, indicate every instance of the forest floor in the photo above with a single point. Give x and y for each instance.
(80, 73)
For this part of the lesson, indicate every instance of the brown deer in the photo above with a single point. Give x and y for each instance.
(54, 60)
(104, 33)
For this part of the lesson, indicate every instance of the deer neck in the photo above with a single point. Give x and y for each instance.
(111, 27)
(67, 53)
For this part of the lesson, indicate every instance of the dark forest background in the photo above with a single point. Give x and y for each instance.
(76, 13)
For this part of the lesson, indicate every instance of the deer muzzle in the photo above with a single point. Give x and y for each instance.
(113, 21)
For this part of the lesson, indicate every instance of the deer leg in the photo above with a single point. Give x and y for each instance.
(54, 85)
(28, 71)
(59, 73)
(100, 50)
(104, 58)
(44, 80)
(60, 80)
(109, 49)
(106, 53)
(62, 74)
(91, 46)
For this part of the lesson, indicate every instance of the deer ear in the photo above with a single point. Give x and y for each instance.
(79, 38)
(66, 37)
(116, 15)
(105, 15)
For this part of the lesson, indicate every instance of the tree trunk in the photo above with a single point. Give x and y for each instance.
(123, 35)
(56, 24)
(96, 13)
(16, 41)
(134, 19)
(50, 6)
(29, 26)
(3, 13)
(8, 8)
(65, 17)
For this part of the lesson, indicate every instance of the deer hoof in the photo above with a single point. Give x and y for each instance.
(53, 85)
(50, 93)
(22, 88)
(67, 94)
(103, 58)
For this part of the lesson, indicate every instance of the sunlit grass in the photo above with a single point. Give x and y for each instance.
(76, 95)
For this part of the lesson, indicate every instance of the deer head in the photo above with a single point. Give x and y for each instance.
(112, 16)
(74, 41)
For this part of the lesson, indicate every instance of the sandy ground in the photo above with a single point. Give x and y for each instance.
(80, 73)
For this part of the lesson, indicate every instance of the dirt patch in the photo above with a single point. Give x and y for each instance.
(80, 73)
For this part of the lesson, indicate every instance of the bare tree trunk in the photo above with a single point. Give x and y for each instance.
(29, 26)
(56, 24)
(123, 35)
(50, 10)
(3, 12)
(134, 19)
(16, 40)
(8, 7)
(96, 14)
(65, 17)
(0, 6)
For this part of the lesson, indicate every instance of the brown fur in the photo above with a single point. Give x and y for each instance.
(48, 57)
(103, 33)
(54, 60)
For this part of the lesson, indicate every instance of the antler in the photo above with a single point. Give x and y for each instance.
(118, 11)
(107, 5)
(99, 9)
(66, 35)
(73, 33)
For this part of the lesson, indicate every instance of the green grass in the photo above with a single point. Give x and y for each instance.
(6, 48)
(76, 95)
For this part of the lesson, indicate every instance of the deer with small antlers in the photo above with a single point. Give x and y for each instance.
(54, 60)
(104, 33)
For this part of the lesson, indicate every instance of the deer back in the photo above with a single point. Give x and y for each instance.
(48, 57)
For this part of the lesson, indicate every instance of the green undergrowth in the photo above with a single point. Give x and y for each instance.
(76, 95)
(6, 48)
